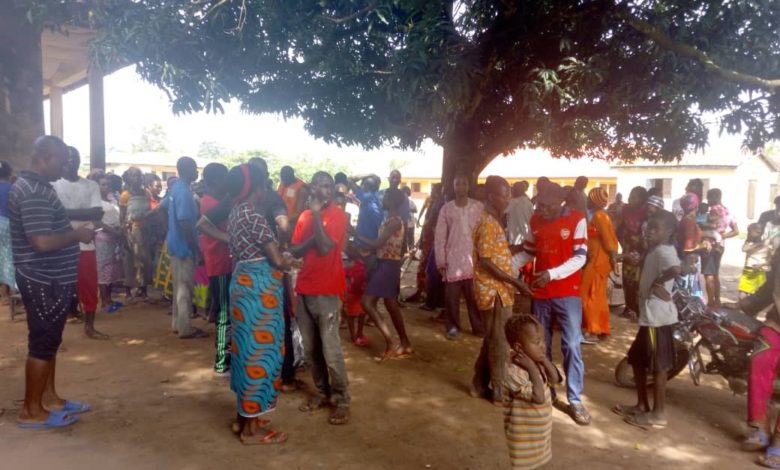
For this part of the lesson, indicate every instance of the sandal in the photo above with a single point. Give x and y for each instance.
(271, 437)
(758, 440)
(395, 353)
(643, 421)
(56, 419)
(771, 459)
(339, 416)
(625, 411)
(197, 334)
(314, 404)
(579, 414)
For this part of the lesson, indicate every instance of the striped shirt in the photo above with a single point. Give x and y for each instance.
(35, 209)
(528, 426)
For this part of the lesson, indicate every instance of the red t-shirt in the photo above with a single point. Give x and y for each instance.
(216, 253)
(322, 275)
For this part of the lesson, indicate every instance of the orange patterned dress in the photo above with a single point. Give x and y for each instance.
(490, 242)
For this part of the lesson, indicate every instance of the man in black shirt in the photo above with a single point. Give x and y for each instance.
(46, 258)
(770, 215)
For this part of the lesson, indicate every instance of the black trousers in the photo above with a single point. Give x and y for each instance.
(452, 293)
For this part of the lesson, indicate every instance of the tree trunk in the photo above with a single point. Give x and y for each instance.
(21, 87)
(462, 157)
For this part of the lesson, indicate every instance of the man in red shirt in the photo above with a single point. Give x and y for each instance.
(319, 239)
(558, 241)
(219, 267)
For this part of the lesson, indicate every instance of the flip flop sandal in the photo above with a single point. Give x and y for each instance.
(271, 437)
(625, 410)
(339, 416)
(393, 354)
(56, 419)
(314, 404)
(771, 459)
(580, 415)
(758, 440)
(643, 422)
(197, 334)
(73, 407)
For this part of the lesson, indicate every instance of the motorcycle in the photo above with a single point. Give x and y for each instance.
(727, 336)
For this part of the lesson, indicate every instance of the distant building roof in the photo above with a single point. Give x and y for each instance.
(722, 156)
(530, 163)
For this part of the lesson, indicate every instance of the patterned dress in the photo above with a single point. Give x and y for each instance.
(256, 288)
(490, 242)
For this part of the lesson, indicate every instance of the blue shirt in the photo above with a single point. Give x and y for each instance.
(181, 206)
(371, 214)
(5, 188)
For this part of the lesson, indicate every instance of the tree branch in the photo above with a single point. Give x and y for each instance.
(348, 18)
(666, 42)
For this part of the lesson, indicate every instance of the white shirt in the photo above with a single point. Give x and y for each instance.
(110, 214)
(80, 194)
(518, 216)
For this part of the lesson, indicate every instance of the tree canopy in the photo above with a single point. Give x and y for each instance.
(602, 78)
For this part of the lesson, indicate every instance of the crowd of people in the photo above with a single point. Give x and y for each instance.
(335, 247)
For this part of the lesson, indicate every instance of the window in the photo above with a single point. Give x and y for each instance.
(415, 187)
(664, 184)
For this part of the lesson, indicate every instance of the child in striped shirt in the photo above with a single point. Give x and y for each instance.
(528, 415)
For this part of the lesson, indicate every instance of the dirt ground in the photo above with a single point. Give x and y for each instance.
(157, 404)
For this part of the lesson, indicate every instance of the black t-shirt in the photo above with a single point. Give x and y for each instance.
(273, 207)
(765, 217)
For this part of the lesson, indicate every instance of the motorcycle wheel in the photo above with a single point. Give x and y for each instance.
(624, 373)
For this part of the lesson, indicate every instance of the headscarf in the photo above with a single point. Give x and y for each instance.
(689, 202)
(655, 201)
(599, 197)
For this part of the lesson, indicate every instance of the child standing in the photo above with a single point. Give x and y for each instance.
(528, 415)
(653, 349)
(756, 262)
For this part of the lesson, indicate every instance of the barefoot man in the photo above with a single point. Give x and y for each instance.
(46, 257)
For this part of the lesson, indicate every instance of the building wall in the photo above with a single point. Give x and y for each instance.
(734, 182)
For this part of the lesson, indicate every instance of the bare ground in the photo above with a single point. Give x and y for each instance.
(158, 405)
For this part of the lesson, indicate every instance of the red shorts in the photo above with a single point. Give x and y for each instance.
(87, 281)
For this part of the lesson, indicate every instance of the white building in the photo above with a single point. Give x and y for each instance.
(749, 181)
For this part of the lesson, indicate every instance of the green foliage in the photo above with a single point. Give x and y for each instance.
(153, 139)
(210, 150)
(479, 77)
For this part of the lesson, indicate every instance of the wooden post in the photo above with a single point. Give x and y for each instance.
(55, 111)
(21, 87)
(97, 125)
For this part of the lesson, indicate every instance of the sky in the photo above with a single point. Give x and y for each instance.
(132, 105)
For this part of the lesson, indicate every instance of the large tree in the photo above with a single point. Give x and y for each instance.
(602, 78)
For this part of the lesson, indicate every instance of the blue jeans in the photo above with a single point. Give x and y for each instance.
(567, 313)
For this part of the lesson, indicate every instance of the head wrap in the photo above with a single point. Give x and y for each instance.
(246, 184)
(551, 194)
(655, 201)
(599, 197)
(689, 202)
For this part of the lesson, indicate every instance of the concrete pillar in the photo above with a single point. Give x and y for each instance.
(55, 111)
(97, 125)
(21, 87)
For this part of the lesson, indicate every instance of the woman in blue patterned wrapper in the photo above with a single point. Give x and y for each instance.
(7, 281)
(257, 318)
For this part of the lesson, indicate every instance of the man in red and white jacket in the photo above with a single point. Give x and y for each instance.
(558, 244)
